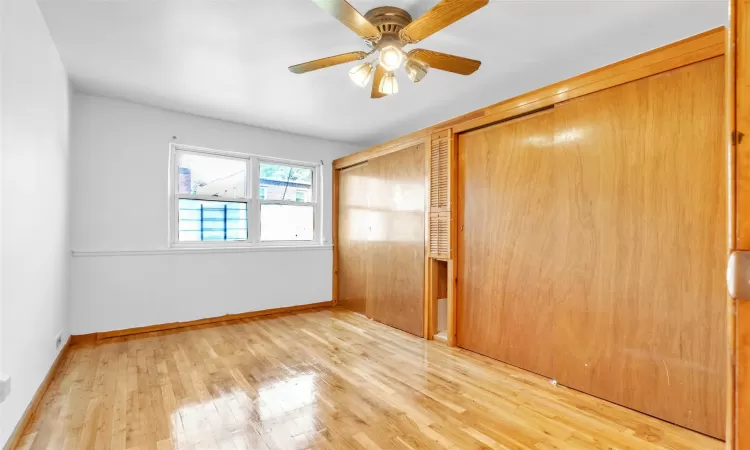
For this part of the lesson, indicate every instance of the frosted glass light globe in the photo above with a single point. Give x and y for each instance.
(416, 70)
(390, 58)
(361, 74)
(388, 85)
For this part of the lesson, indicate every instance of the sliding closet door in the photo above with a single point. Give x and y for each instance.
(396, 246)
(592, 244)
(353, 231)
(504, 196)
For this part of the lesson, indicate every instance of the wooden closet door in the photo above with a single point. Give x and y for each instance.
(505, 284)
(396, 245)
(592, 245)
(353, 232)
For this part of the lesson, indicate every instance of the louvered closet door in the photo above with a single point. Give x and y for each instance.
(439, 146)
(440, 235)
(396, 245)
(440, 195)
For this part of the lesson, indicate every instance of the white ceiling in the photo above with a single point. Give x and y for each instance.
(227, 59)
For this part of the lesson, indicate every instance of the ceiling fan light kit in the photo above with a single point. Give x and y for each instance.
(362, 74)
(416, 70)
(390, 58)
(389, 84)
(386, 30)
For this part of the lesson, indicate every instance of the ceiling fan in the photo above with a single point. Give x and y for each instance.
(386, 30)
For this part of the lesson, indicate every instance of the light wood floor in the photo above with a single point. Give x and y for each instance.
(321, 379)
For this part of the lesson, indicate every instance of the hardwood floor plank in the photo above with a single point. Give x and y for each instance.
(324, 379)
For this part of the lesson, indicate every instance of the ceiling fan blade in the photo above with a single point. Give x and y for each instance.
(327, 62)
(379, 74)
(346, 14)
(443, 14)
(446, 62)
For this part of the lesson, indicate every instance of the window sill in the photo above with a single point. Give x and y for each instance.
(205, 250)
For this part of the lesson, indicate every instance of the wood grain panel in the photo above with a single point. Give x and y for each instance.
(730, 125)
(335, 236)
(396, 246)
(376, 79)
(352, 234)
(327, 62)
(743, 125)
(740, 106)
(592, 244)
(440, 16)
(444, 61)
(503, 196)
(349, 16)
(452, 302)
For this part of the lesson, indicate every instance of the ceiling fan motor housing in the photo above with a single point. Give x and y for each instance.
(389, 20)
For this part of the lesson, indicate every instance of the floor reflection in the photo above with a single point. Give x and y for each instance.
(324, 379)
(283, 411)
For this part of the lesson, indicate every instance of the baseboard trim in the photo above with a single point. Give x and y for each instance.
(28, 415)
(94, 337)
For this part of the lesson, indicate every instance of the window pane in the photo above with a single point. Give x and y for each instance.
(199, 174)
(286, 223)
(280, 182)
(212, 221)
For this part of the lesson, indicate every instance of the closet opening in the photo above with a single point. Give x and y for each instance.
(439, 300)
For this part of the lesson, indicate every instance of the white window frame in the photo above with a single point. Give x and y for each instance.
(252, 189)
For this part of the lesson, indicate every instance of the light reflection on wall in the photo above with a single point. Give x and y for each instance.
(384, 211)
(539, 141)
(391, 196)
(569, 135)
(572, 134)
(283, 409)
(385, 226)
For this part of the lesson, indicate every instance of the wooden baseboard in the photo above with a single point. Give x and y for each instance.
(28, 415)
(93, 337)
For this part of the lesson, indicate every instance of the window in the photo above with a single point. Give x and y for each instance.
(237, 199)
(285, 213)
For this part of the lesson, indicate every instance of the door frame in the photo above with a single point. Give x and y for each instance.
(738, 177)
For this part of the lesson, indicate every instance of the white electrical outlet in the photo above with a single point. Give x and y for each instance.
(4, 386)
(58, 341)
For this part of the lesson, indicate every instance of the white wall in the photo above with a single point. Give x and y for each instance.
(123, 273)
(4, 433)
(34, 267)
